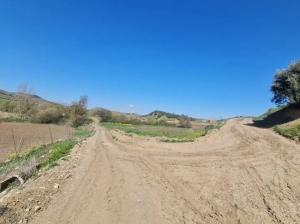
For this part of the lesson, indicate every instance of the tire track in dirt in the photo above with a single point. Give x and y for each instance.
(240, 174)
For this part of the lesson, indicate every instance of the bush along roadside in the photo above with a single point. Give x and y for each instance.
(41, 158)
(289, 132)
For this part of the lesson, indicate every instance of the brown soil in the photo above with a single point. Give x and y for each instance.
(33, 135)
(240, 174)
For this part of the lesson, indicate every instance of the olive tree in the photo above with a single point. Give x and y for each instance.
(286, 86)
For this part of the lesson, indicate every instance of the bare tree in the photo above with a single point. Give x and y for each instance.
(24, 88)
(24, 103)
(78, 111)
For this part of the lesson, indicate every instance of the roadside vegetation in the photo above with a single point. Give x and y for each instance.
(43, 157)
(84, 131)
(285, 119)
(59, 150)
(165, 133)
(22, 137)
(14, 119)
(25, 107)
(291, 132)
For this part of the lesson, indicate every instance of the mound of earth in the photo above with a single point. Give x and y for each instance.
(285, 115)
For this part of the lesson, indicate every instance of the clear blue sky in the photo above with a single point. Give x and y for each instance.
(208, 59)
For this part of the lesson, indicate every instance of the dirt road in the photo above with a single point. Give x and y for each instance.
(240, 174)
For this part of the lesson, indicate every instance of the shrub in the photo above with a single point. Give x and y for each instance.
(104, 115)
(151, 120)
(78, 112)
(119, 118)
(292, 132)
(48, 116)
(158, 120)
(184, 123)
(25, 106)
(8, 106)
(133, 120)
(162, 121)
(28, 168)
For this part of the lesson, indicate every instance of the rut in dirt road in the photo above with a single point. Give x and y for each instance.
(240, 174)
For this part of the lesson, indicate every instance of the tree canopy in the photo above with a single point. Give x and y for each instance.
(286, 86)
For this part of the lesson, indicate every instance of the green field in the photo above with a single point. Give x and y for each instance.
(167, 134)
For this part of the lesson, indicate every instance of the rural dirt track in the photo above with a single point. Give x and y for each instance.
(240, 174)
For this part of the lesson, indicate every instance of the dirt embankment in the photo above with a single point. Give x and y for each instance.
(240, 174)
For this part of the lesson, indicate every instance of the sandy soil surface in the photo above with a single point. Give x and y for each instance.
(240, 174)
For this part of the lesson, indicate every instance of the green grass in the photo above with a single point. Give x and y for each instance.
(292, 132)
(14, 119)
(4, 97)
(83, 132)
(38, 152)
(178, 140)
(59, 150)
(167, 134)
(46, 155)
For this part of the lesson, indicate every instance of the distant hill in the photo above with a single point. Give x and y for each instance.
(5, 95)
(159, 113)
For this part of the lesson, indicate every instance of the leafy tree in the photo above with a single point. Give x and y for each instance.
(286, 86)
(78, 112)
(50, 115)
(103, 114)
